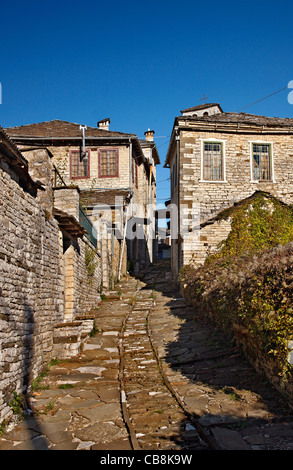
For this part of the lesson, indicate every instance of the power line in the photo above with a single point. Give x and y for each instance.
(266, 97)
(164, 143)
(161, 181)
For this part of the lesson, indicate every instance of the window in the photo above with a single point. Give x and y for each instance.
(108, 163)
(261, 162)
(213, 168)
(79, 164)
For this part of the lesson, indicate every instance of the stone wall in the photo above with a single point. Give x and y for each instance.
(81, 267)
(82, 279)
(199, 244)
(81, 264)
(61, 159)
(31, 288)
(50, 281)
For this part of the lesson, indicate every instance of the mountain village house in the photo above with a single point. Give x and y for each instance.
(217, 159)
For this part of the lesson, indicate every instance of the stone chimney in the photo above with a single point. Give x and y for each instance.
(149, 135)
(104, 124)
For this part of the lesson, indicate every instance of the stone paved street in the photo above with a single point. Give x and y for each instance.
(154, 376)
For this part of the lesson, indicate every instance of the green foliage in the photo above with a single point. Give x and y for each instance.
(65, 386)
(16, 404)
(257, 224)
(90, 262)
(94, 330)
(3, 426)
(36, 384)
(247, 286)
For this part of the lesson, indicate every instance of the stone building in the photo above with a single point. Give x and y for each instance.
(115, 174)
(217, 159)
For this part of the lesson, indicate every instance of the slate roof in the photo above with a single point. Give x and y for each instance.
(59, 132)
(257, 122)
(242, 118)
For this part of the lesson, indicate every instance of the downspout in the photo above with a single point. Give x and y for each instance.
(130, 202)
(130, 186)
(150, 206)
(112, 256)
(178, 193)
(83, 129)
(123, 245)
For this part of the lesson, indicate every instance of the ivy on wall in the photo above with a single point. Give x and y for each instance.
(91, 262)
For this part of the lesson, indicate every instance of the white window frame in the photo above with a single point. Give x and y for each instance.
(261, 142)
(223, 142)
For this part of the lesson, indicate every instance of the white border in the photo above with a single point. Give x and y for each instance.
(223, 142)
(251, 142)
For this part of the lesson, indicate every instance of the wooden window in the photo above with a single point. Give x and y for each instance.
(213, 161)
(108, 163)
(79, 164)
(261, 162)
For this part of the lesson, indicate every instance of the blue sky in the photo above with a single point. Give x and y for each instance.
(141, 63)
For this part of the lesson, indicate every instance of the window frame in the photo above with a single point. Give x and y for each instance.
(117, 162)
(223, 145)
(74, 151)
(271, 162)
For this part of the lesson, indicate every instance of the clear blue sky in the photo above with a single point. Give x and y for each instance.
(140, 63)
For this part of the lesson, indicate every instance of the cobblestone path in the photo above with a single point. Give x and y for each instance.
(156, 417)
(154, 377)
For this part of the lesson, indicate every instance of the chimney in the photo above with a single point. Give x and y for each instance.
(104, 124)
(149, 135)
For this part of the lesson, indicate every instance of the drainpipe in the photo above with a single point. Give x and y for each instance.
(83, 129)
(130, 186)
(112, 255)
(123, 245)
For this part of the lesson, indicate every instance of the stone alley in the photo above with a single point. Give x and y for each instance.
(154, 376)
